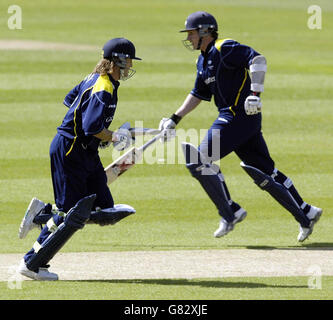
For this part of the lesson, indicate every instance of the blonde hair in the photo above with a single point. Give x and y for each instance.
(103, 67)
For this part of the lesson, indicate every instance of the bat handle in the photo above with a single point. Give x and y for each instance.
(151, 141)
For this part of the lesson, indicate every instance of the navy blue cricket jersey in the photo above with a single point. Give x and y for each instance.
(222, 72)
(92, 105)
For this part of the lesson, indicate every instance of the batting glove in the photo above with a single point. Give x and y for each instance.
(252, 105)
(122, 139)
(169, 125)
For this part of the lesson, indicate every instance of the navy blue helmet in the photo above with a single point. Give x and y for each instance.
(204, 23)
(200, 20)
(119, 47)
(118, 50)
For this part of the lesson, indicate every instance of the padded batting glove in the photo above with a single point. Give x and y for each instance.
(122, 139)
(169, 125)
(252, 105)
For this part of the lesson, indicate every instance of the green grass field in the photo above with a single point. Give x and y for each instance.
(173, 212)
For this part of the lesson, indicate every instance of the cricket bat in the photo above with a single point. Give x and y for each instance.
(139, 131)
(128, 160)
(143, 131)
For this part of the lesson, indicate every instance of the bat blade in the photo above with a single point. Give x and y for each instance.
(122, 164)
(127, 160)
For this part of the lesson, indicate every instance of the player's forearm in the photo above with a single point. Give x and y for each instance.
(190, 103)
(105, 135)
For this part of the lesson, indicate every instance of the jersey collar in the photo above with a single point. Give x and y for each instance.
(114, 82)
(208, 49)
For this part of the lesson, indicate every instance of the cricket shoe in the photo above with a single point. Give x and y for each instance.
(314, 215)
(225, 227)
(42, 275)
(27, 223)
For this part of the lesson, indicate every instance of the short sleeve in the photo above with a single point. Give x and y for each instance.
(201, 90)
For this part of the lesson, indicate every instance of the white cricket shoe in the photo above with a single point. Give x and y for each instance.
(225, 227)
(314, 215)
(42, 275)
(27, 224)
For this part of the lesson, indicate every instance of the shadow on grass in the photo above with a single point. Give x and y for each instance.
(319, 246)
(309, 246)
(196, 283)
(165, 246)
(301, 246)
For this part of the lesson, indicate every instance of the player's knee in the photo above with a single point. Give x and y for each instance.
(193, 159)
(195, 169)
(208, 169)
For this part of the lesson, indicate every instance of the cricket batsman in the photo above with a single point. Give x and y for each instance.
(234, 75)
(79, 181)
